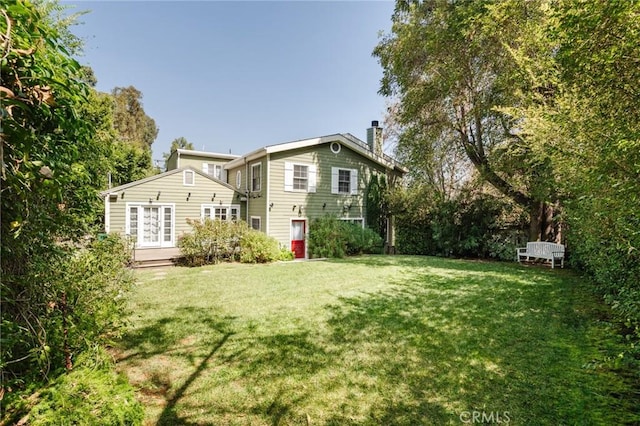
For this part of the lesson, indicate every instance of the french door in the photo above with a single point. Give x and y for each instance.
(151, 226)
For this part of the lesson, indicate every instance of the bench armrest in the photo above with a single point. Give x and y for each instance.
(558, 254)
(521, 249)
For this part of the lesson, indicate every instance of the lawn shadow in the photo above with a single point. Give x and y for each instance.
(470, 342)
(152, 354)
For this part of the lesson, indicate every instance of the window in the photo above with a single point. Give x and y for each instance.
(213, 170)
(188, 178)
(133, 222)
(299, 177)
(255, 222)
(220, 212)
(344, 181)
(335, 147)
(238, 179)
(354, 221)
(256, 171)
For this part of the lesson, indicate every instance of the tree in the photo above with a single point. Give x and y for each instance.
(451, 68)
(54, 162)
(178, 143)
(134, 126)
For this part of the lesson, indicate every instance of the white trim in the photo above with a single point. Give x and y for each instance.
(312, 171)
(161, 207)
(107, 214)
(253, 166)
(212, 207)
(184, 177)
(335, 179)
(336, 143)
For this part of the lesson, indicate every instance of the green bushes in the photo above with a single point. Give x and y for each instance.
(258, 247)
(213, 241)
(331, 237)
(92, 392)
(470, 225)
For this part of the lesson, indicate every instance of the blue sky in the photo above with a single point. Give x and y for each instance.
(241, 75)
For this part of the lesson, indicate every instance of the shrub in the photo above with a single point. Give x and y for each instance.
(326, 238)
(212, 241)
(332, 237)
(286, 254)
(258, 247)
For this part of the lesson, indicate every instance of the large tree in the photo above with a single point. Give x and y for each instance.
(450, 65)
(176, 144)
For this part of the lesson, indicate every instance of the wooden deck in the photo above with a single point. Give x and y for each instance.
(149, 257)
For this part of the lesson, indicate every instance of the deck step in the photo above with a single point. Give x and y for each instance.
(154, 263)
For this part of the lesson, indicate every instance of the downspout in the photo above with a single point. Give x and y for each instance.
(246, 186)
(267, 189)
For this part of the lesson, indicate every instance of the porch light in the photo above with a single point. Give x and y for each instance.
(188, 196)
(213, 197)
(324, 205)
(294, 207)
(158, 196)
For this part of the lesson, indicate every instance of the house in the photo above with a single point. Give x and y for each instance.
(277, 189)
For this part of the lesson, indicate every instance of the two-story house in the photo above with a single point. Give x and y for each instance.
(277, 189)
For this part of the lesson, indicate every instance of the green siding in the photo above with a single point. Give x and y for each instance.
(197, 161)
(172, 191)
(324, 159)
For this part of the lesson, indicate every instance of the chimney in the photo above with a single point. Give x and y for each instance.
(374, 138)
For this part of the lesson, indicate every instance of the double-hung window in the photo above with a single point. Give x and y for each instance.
(344, 181)
(213, 170)
(256, 177)
(299, 177)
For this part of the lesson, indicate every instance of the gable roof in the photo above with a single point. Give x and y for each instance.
(161, 175)
(346, 139)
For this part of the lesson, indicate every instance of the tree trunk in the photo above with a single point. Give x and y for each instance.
(535, 223)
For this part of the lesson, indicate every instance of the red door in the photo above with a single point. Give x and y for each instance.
(297, 238)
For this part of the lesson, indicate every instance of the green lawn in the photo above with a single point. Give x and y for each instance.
(371, 340)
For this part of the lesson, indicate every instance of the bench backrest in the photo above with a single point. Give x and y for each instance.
(538, 247)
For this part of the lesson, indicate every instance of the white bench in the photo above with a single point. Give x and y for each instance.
(542, 250)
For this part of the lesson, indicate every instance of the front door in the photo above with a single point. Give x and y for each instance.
(297, 238)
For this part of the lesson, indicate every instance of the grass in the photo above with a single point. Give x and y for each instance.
(371, 340)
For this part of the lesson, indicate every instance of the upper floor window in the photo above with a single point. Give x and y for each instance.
(344, 181)
(255, 222)
(256, 177)
(188, 177)
(213, 170)
(238, 179)
(299, 177)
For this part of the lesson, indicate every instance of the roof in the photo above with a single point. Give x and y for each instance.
(161, 175)
(207, 154)
(346, 139)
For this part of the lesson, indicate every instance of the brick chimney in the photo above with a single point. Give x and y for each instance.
(374, 138)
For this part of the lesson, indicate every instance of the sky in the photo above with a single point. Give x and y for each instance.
(239, 75)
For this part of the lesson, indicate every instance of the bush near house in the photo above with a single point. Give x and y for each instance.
(213, 241)
(334, 238)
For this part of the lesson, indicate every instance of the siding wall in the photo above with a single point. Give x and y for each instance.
(312, 204)
(197, 161)
(172, 191)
